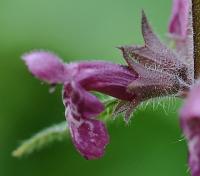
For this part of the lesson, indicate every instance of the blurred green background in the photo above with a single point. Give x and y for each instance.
(80, 29)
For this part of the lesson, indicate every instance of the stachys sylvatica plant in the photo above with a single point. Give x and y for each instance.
(152, 70)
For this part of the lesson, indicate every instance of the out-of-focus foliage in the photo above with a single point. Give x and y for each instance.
(76, 29)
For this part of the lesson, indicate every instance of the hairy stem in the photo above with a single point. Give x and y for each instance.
(43, 138)
(196, 28)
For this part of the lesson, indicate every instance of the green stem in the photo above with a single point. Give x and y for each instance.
(43, 138)
(196, 29)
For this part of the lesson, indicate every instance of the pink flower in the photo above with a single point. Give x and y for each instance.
(153, 70)
(179, 19)
(181, 28)
(88, 134)
(190, 123)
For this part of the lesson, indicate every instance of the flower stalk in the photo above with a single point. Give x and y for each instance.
(196, 29)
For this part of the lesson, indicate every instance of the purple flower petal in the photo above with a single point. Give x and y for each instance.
(105, 77)
(190, 123)
(82, 104)
(90, 137)
(45, 66)
(179, 19)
